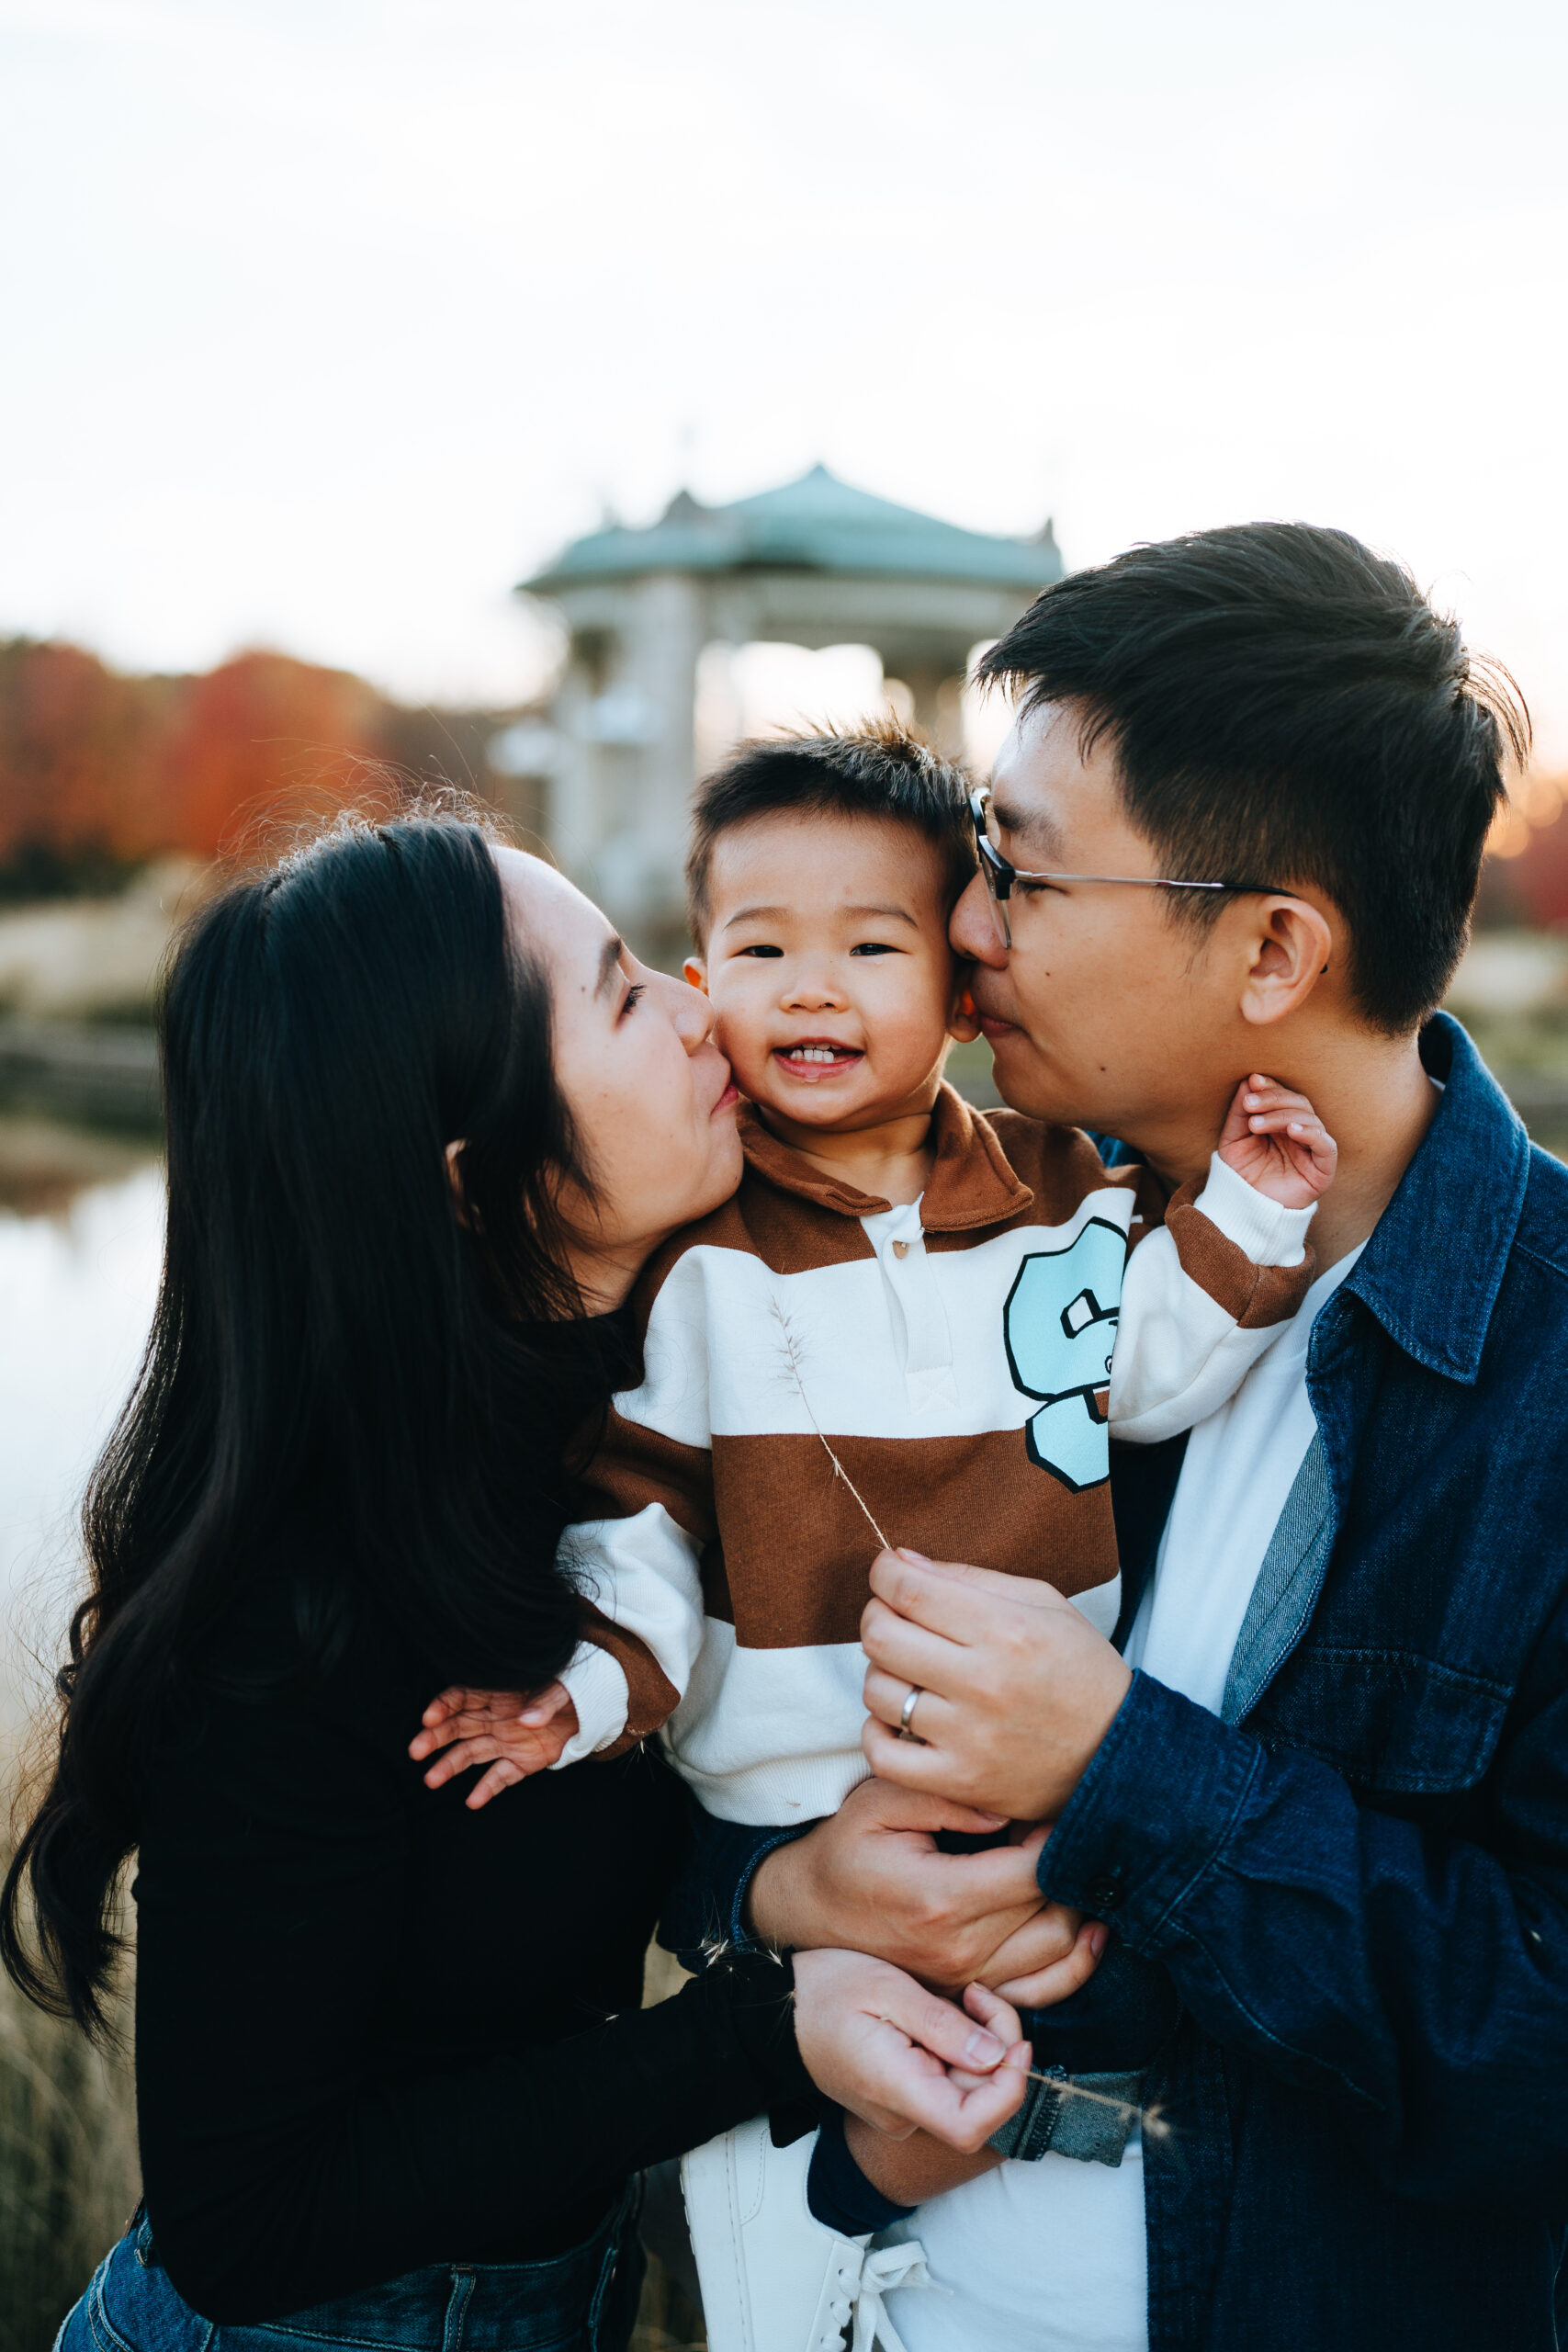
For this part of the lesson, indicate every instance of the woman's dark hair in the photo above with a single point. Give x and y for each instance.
(332, 1334)
(1284, 704)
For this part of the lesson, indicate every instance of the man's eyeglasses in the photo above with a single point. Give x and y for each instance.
(1000, 873)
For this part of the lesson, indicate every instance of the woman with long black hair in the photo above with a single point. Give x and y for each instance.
(426, 1118)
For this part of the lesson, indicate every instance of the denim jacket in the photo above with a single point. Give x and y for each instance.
(1340, 1912)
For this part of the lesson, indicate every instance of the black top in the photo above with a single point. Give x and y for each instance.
(376, 2031)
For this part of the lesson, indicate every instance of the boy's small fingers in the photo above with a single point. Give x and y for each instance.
(434, 1736)
(502, 1775)
(548, 1704)
(1272, 1097)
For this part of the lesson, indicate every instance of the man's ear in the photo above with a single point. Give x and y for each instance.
(964, 1021)
(694, 972)
(1291, 948)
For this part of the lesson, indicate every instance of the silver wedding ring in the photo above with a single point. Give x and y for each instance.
(907, 1712)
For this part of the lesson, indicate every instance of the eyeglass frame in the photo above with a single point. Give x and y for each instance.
(1000, 873)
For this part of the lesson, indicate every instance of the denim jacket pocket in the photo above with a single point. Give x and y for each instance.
(1391, 1721)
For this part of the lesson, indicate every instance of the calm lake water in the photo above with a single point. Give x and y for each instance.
(81, 1234)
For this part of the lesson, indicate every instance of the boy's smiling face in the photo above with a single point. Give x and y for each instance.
(828, 967)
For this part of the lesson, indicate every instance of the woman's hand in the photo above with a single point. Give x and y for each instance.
(1017, 1687)
(910, 2170)
(904, 2059)
(513, 1734)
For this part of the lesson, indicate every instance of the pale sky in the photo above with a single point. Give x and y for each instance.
(327, 320)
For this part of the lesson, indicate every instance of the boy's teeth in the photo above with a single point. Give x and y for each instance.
(816, 1052)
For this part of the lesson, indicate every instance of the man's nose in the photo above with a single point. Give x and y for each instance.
(973, 928)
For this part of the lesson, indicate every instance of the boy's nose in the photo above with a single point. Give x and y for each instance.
(814, 993)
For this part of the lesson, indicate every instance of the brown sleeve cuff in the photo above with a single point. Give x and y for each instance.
(1254, 1296)
(651, 1697)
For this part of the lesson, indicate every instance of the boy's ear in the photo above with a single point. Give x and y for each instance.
(694, 972)
(964, 1023)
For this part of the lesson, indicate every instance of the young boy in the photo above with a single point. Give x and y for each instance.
(912, 1324)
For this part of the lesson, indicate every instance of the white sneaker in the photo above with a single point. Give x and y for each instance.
(773, 2278)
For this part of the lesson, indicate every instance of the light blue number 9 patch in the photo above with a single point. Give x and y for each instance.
(1060, 1328)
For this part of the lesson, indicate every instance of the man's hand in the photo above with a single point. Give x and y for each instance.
(904, 2059)
(1277, 1143)
(871, 1879)
(1017, 1688)
(1048, 1958)
(514, 1733)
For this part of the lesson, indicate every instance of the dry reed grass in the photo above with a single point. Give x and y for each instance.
(69, 2175)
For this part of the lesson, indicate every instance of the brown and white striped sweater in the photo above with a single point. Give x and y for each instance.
(966, 1357)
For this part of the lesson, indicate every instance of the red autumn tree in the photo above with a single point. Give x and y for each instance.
(99, 771)
(78, 758)
(260, 735)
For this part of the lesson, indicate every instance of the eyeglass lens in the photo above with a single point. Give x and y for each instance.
(999, 908)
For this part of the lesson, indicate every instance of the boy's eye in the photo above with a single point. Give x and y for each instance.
(875, 947)
(762, 951)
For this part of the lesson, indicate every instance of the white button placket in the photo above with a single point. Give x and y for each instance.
(907, 1268)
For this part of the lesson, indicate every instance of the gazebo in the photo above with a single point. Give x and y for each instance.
(815, 562)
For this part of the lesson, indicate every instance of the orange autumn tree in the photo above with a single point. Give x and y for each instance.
(79, 758)
(257, 738)
(99, 772)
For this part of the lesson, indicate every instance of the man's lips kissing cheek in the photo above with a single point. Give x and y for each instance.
(812, 1059)
(994, 1024)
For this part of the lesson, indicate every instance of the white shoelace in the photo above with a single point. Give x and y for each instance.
(863, 2279)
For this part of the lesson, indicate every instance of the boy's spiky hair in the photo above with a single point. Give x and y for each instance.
(878, 770)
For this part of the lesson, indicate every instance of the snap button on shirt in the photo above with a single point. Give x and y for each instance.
(920, 1318)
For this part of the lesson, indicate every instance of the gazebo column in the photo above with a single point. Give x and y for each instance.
(574, 822)
(645, 721)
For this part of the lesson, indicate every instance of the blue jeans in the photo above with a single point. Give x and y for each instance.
(584, 2300)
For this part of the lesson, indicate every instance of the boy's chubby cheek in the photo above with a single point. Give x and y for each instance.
(749, 1059)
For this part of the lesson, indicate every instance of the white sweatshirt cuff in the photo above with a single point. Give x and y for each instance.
(1270, 1234)
(598, 1685)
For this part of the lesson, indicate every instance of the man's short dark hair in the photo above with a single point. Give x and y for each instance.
(1285, 705)
(877, 771)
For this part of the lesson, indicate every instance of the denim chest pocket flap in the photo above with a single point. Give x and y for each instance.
(1389, 1720)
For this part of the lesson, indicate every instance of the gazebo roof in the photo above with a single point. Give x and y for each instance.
(817, 523)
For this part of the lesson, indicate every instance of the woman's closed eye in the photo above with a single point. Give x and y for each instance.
(634, 996)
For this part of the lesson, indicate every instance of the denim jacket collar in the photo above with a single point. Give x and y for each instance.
(1433, 1267)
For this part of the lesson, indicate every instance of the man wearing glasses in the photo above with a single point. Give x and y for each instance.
(1318, 1786)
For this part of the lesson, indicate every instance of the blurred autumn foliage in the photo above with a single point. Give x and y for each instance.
(1526, 881)
(100, 771)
